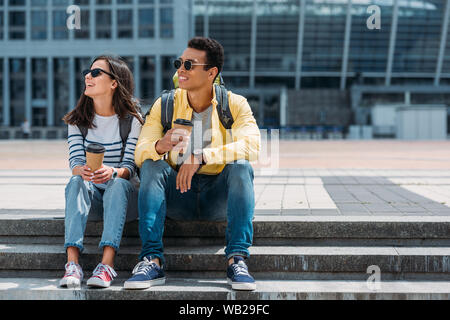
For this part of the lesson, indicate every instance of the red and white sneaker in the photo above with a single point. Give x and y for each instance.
(102, 276)
(73, 276)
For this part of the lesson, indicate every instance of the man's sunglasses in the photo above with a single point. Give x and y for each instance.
(96, 72)
(187, 64)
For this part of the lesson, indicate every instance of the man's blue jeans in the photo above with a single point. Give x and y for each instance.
(228, 196)
(85, 201)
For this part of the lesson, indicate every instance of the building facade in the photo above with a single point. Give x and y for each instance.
(269, 45)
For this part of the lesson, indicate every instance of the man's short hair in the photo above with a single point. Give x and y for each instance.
(214, 51)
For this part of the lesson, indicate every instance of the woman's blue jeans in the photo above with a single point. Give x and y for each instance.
(228, 196)
(85, 201)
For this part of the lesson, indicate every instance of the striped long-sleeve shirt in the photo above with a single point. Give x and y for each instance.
(107, 133)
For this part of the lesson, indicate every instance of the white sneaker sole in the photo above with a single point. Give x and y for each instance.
(143, 284)
(247, 286)
(96, 282)
(70, 283)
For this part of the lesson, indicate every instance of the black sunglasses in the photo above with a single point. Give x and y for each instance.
(96, 72)
(187, 64)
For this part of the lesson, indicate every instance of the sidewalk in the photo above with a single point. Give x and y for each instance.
(331, 211)
(369, 178)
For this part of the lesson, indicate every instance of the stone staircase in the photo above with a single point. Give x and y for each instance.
(293, 257)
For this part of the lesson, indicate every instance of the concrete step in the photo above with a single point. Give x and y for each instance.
(218, 289)
(284, 262)
(268, 230)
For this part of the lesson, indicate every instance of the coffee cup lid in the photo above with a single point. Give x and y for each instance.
(183, 122)
(95, 148)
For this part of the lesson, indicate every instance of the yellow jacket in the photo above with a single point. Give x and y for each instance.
(243, 142)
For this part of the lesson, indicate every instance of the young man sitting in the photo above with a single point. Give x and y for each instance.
(211, 180)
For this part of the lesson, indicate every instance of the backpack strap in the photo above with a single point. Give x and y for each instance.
(223, 107)
(167, 100)
(125, 128)
(84, 131)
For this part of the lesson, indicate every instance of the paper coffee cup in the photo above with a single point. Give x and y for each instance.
(94, 156)
(183, 124)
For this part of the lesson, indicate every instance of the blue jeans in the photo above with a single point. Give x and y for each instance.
(228, 196)
(85, 201)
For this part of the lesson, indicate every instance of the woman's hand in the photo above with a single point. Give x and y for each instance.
(83, 171)
(102, 175)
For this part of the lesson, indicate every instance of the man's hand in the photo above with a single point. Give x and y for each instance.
(186, 172)
(102, 175)
(173, 137)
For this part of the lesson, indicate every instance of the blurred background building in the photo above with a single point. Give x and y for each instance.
(312, 68)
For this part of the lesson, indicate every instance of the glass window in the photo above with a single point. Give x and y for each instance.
(39, 78)
(1, 90)
(13, 3)
(39, 3)
(81, 2)
(1, 24)
(80, 65)
(39, 25)
(276, 43)
(166, 23)
(59, 25)
(61, 89)
(103, 24)
(168, 71)
(418, 35)
(17, 89)
(83, 32)
(124, 23)
(147, 81)
(146, 23)
(230, 23)
(323, 40)
(17, 25)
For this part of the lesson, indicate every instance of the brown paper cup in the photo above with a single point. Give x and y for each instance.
(183, 127)
(94, 156)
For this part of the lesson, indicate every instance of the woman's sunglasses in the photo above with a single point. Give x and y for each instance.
(96, 72)
(187, 64)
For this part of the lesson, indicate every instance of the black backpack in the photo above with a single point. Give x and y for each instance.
(167, 100)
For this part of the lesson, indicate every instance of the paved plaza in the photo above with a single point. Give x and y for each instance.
(335, 178)
(325, 212)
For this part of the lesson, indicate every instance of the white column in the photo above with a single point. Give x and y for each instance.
(158, 75)
(92, 20)
(283, 107)
(392, 41)
(206, 20)
(253, 44)
(72, 83)
(348, 27)
(6, 93)
(301, 31)
(157, 21)
(27, 22)
(114, 20)
(442, 45)
(50, 93)
(28, 92)
(137, 77)
(135, 20)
